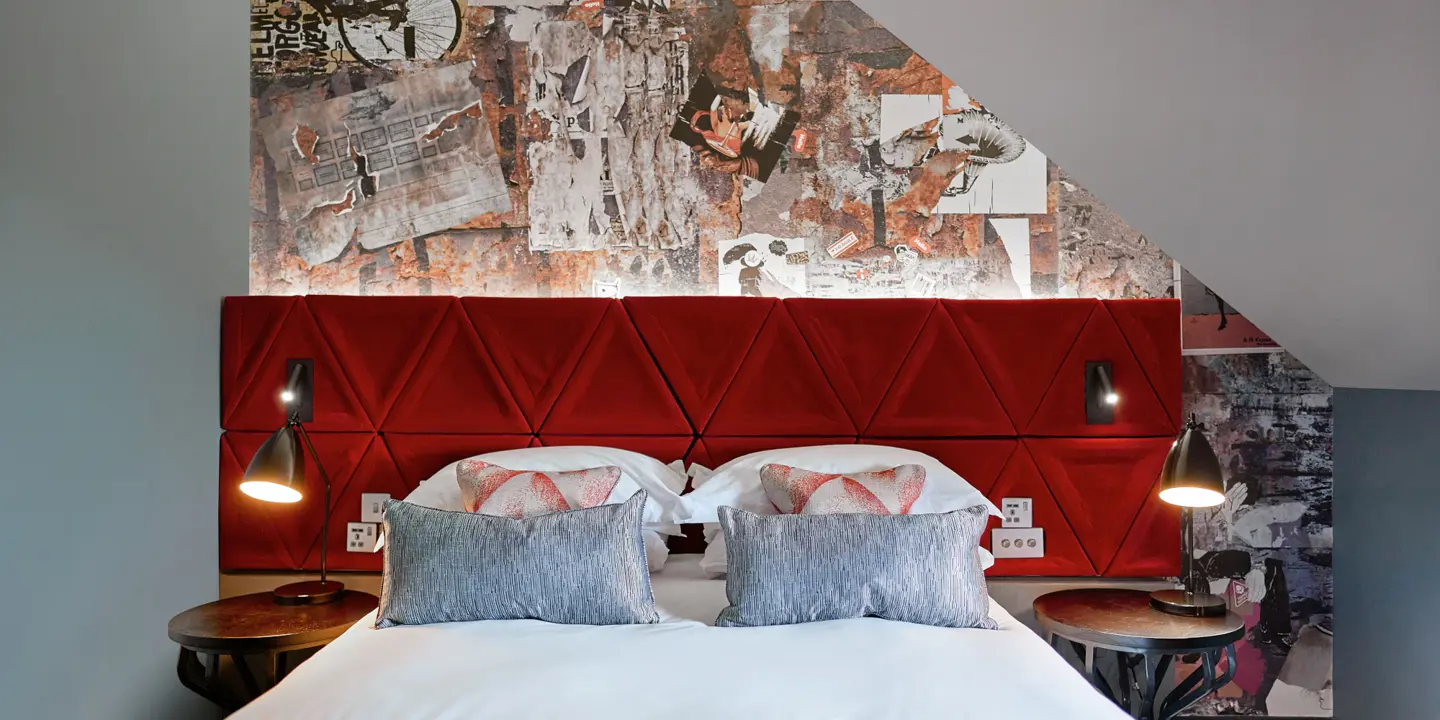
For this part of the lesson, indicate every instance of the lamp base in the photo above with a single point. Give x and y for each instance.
(311, 592)
(1181, 602)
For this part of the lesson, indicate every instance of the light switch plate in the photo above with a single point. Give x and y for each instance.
(360, 537)
(1017, 542)
(372, 507)
(1019, 512)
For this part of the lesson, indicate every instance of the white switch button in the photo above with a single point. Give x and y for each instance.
(372, 507)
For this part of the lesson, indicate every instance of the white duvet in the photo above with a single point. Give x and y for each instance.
(683, 669)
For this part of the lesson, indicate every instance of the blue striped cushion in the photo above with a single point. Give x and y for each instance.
(583, 567)
(923, 569)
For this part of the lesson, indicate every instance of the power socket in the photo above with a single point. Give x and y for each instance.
(361, 537)
(372, 507)
(1018, 513)
(1017, 542)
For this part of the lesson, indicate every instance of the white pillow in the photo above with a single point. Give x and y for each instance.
(637, 471)
(737, 483)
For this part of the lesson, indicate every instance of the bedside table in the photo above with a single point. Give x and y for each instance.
(1145, 642)
(254, 625)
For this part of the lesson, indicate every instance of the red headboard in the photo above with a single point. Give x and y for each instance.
(995, 389)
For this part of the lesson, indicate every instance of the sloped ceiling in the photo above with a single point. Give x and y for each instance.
(1284, 151)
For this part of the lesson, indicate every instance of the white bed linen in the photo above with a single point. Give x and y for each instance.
(683, 669)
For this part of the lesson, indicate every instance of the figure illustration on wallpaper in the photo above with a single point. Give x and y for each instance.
(734, 132)
(763, 266)
(986, 139)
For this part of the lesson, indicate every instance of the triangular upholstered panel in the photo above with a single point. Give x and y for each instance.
(940, 391)
(1020, 345)
(616, 385)
(1062, 411)
(699, 343)
(1101, 484)
(248, 327)
(336, 406)
(1150, 329)
(455, 388)
(780, 389)
(1064, 554)
(860, 346)
(377, 341)
(1152, 547)
(376, 473)
(536, 343)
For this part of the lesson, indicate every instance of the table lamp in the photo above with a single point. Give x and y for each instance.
(1191, 479)
(277, 474)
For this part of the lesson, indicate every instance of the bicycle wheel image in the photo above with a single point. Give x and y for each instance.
(402, 30)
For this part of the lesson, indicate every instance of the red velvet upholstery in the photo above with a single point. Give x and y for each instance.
(1020, 345)
(1150, 330)
(699, 343)
(616, 386)
(1100, 485)
(536, 344)
(860, 346)
(377, 341)
(456, 387)
(1064, 554)
(1062, 410)
(780, 389)
(994, 389)
(940, 391)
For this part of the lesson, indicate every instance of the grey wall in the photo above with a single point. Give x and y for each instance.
(1282, 150)
(122, 224)
(1387, 511)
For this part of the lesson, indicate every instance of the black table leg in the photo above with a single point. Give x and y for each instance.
(1201, 682)
(203, 680)
(247, 676)
(1124, 663)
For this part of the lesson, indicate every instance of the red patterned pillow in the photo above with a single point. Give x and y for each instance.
(796, 491)
(494, 490)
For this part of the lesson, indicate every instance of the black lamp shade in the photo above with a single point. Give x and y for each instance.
(277, 472)
(1191, 476)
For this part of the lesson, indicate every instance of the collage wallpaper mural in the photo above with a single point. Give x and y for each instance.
(559, 148)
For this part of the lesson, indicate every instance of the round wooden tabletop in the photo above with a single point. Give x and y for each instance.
(255, 623)
(1123, 620)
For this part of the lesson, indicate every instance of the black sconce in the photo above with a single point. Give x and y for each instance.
(1100, 395)
(299, 392)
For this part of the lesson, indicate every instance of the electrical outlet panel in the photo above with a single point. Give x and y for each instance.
(361, 537)
(1017, 542)
(1018, 512)
(372, 507)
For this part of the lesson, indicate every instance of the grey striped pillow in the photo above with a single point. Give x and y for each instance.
(582, 567)
(923, 569)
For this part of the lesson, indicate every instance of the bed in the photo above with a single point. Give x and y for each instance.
(406, 385)
(683, 667)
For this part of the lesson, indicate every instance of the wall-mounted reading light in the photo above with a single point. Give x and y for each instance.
(299, 391)
(1100, 395)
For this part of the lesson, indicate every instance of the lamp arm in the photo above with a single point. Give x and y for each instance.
(325, 522)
